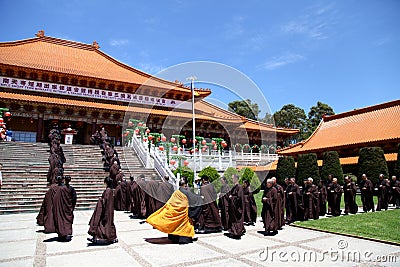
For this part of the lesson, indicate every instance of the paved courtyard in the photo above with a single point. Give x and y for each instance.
(23, 244)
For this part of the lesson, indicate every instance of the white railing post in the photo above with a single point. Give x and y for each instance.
(200, 161)
(230, 159)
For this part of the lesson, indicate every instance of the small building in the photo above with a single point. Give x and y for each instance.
(350, 131)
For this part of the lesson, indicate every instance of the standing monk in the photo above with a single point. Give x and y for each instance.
(367, 194)
(311, 196)
(382, 188)
(45, 217)
(250, 207)
(210, 221)
(236, 210)
(350, 190)
(269, 200)
(223, 203)
(395, 186)
(322, 195)
(329, 193)
(63, 208)
(140, 197)
(280, 204)
(294, 198)
(151, 195)
(101, 224)
(164, 192)
(336, 191)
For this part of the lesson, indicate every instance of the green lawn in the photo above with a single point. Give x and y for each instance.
(382, 225)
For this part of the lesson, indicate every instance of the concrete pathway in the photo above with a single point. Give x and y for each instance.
(22, 244)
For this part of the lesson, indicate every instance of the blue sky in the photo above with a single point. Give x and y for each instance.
(343, 53)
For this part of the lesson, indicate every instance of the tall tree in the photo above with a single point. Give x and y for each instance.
(285, 169)
(245, 108)
(307, 166)
(372, 162)
(331, 165)
(290, 116)
(315, 116)
(268, 118)
(397, 164)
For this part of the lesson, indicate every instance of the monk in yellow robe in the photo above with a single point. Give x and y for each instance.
(176, 217)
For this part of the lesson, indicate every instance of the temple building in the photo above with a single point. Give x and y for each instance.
(350, 131)
(46, 81)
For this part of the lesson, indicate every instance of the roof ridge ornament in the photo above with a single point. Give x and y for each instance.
(40, 33)
(96, 45)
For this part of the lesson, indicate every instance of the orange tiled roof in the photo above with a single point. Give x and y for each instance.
(361, 126)
(204, 110)
(69, 57)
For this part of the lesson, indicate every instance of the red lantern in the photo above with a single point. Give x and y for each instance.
(140, 124)
(151, 137)
(161, 148)
(163, 138)
(183, 141)
(173, 139)
(127, 132)
(1, 120)
(194, 141)
(204, 149)
(172, 162)
(203, 142)
(215, 147)
(186, 163)
(7, 114)
(147, 130)
(137, 131)
(224, 144)
(144, 139)
(174, 148)
(213, 142)
(130, 123)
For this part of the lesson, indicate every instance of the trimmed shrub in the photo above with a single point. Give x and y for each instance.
(213, 176)
(307, 166)
(285, 169)
(331, 165)
(372, 162)
(228, 175)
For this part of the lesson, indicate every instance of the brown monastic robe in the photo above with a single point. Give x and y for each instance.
(350, 205)
(367, 197)
(336, 191)
(210, 218)
(48, 215)
(151, 194)
(294, 199)
(280, 204)
(250, 207)
(101, 224)
(382, 188)
(140, 197)
(322, 194)
(223, 204)
(63, 211)
(312, 207)
(270, 218)
(236, 212)
(164, 192)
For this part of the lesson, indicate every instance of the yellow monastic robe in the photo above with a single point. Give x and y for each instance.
(173, 217)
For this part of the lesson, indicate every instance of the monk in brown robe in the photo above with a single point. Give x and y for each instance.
(151, 195)
(367, 194)
(140, 197)
(223, 203)
(329, 193)
(101, 224)
(45, 217)
(63, 208)
(311, 200)
(164, 191)
(236, 210)
(280, 204)
(114, 170)
(350, 190)
(382, 187)
(176, 217)
(269, 200)
(294, 197)
(336, 191)
(133, 195)
(250, 206)
(210, 221)
(322, 195)
(395, 186)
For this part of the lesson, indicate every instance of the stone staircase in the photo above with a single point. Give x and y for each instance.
(25, 167)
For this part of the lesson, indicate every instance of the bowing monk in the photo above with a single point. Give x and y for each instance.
(176, 217)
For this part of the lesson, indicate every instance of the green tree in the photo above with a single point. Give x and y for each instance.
(245, 108)
(397, 164)
(248, 174)
(331, 165)
(315, 116)
(290, 116)
(307, 166)
(286, 169)
(185, 171)
(268, 118)
(372, 162)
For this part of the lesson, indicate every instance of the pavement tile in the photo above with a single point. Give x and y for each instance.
(17, 234)
(99, 258)
(16, 249)
(223, 262)
(18, 263)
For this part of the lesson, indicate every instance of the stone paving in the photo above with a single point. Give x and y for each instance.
(23, 244)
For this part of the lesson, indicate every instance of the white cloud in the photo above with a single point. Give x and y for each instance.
(234, 28)
(381, 41)
(119, 42)
(149, 68)
(314, 22)
(277, 62)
